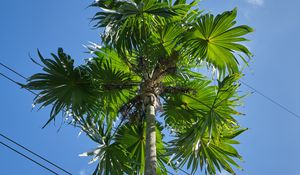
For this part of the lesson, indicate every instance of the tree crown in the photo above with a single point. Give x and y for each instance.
(158, 47)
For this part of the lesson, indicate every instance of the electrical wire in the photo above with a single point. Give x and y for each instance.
(3, 144)
(271, 100)
(13, 71)
(17, 73)
(46, 160)
(10, 79)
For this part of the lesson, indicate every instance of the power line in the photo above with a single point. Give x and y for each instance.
(10, 79)
(7, 138)
(17, 83)
(13, 71)
(271, 100)
(3, 144)
(17, 73)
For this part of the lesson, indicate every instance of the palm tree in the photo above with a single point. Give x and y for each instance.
(145, 81)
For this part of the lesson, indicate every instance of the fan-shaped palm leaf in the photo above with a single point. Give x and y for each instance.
(200, 121)
(132, 137)
(129, 23)
(200, 150)
(63, 85)
(215, 40)
(112, 157)
(97, 86)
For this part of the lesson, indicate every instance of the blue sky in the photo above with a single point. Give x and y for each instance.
(269, 147)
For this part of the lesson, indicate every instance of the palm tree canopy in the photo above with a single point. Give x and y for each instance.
(158, 47)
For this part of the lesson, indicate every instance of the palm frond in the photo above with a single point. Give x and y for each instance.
(111, 157)
(201, 120)
(197, 150)
(103, 84)
(116, 85)
(216, 104)
(130, 23)
(216, 41)
(167, 38)
(64, 86)
(179, 109)
(133, 138)
(106, 53)
(123, 153)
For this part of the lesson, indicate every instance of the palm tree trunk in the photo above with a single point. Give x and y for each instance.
(150, 168)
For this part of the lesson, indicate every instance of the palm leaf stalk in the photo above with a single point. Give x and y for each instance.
(146, 81)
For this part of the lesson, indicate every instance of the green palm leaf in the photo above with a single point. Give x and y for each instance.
(130, 23)
(180, 110)
(211, 106)
(115, 87)
(100, 85)
(132, 137)
(124, 149)
(167, 39)
(215, 40)
(201, 151)
(112, 157)
(63, 85)
(204, 124)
